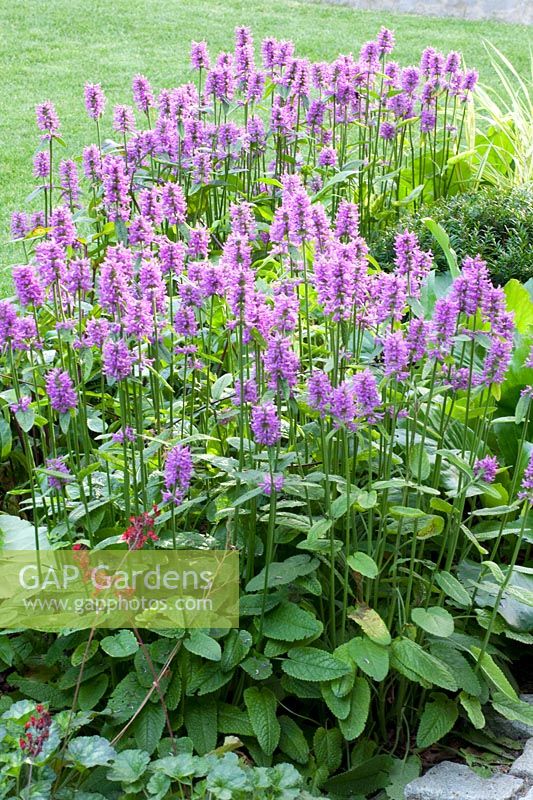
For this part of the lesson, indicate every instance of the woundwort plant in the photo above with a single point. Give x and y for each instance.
(200, 327)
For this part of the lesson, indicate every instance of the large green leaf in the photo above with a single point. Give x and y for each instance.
(90, 751)
(311, 664)
(518, 300)
(281, 573)
(355, 722)
(121, 645)
(201, 724)
(19, 534)
(434, 620)
(128, 766)
(292, 742)
(493, 673)
(415, 663)
(203, 645)
(261, 704)
(371, 658)
(363, 779)
(327, 744)
(290, 623)
(438, 718)
(148, 727)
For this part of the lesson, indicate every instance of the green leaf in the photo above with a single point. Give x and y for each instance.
(126, 698)
(232, 720)
(283, 572)
(354, 724)
(290, 623)
(148, 727)
(443, 239)
(261, 704)
(26, 419)
(472, 706)
(90, 751)
(236, 647)
(415, 663)
(311, 664)
(406, 511)
(19, 534)
(459, 667)
(371, 623)
(493, 673)
(438, 718)
(327, 745)
(371, 658)
(121, 645)
(516, 710)
(518, 301)
(402, 773)
(5, 439)
(158, 786)
(92, 691)
(83, 652)
(363, 564)
(361, 780)
(452, 587)
(129, 766)
(257, 667)
(203, 645)
(419, 462)
(434, 620)
(292, 742)
(339, 706)
(201, 724)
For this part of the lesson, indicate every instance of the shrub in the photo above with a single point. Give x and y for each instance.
(201, 355)
(497, 225)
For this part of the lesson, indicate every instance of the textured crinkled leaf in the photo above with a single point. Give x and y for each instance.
(290, 623)
(472, 706)
(412, 660)
(292, 742)
(493, 673)
(438, 718)
(355, 722)
(327, 745)
(312, 664)
(261, 704)
(201, 723)
(90, 751)
(148, 727)
(128, 766)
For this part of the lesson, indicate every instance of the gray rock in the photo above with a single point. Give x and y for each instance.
(511, 728)
(449, 781)
(529, 795)
(523, 766)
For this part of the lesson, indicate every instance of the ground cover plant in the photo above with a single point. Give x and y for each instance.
(494, 223)
(202, 353)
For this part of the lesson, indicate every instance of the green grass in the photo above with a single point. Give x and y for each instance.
(49, 48)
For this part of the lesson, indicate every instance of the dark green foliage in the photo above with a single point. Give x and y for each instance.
(497, 225)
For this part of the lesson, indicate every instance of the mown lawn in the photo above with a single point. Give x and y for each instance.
(49, 48)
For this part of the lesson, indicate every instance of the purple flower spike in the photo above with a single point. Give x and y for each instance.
(265, 424)
(95, 100)
(60, 390)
